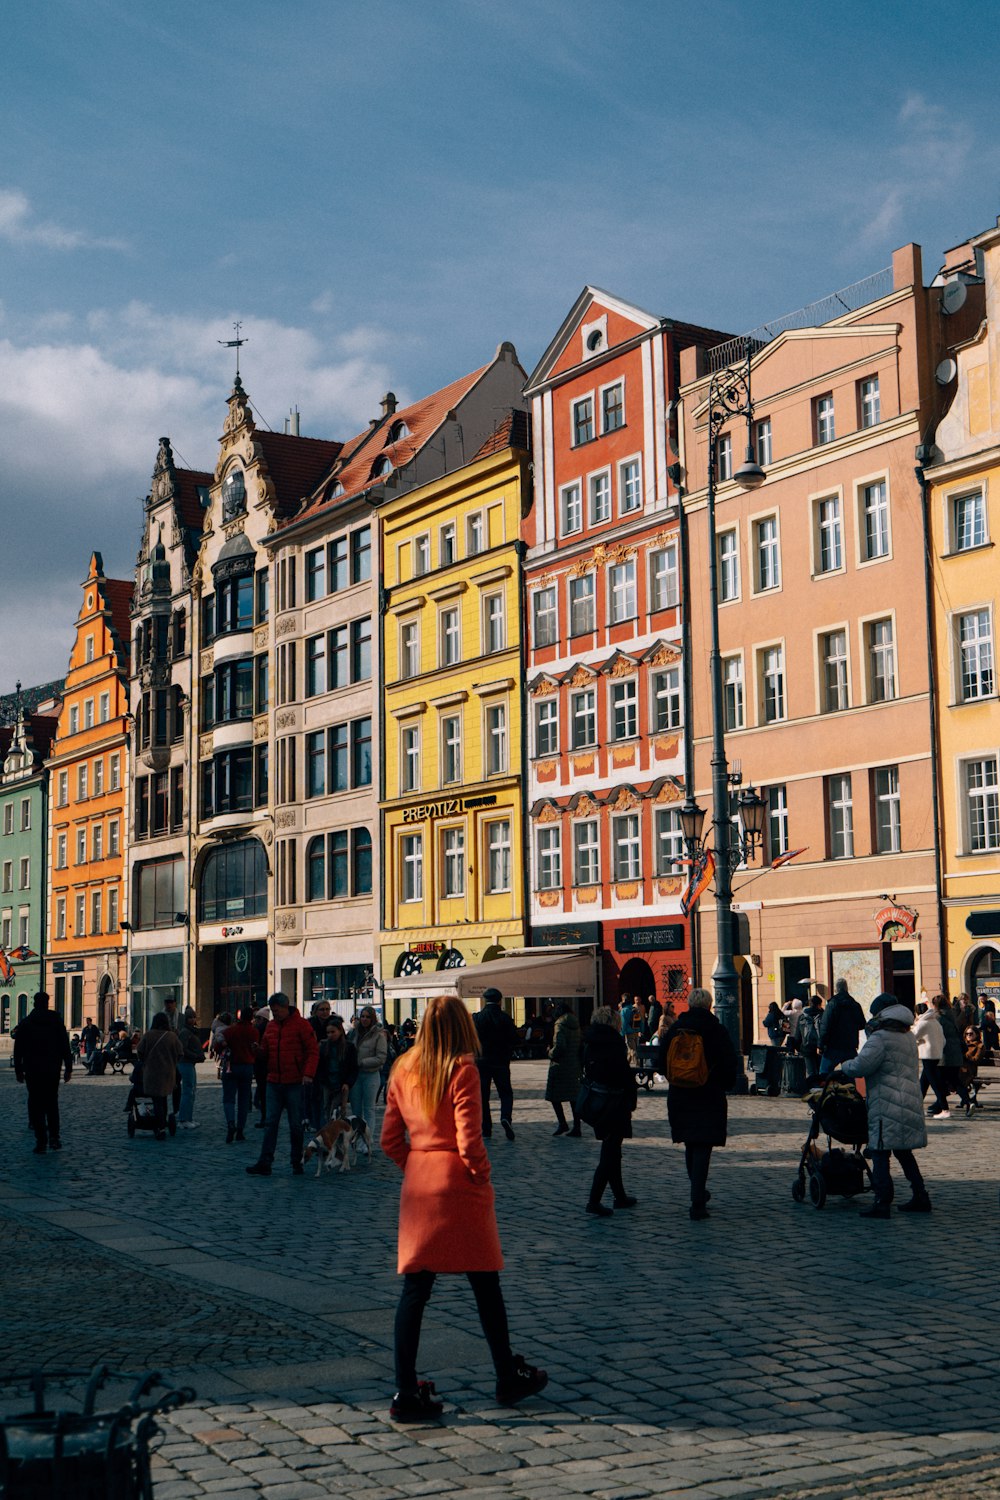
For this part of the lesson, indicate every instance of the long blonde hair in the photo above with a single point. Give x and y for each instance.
(446, 1034)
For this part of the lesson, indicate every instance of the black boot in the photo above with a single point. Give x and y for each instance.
(920, 1203)
(230, 1134)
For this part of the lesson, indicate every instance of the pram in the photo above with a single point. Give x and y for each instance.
(139, 1108)
(838, 1112)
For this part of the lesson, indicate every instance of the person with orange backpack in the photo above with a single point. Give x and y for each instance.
(701, 1065)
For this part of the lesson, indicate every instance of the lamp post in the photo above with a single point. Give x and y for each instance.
(729, 396)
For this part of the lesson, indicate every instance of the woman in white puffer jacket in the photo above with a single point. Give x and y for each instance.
(889, 1064)
(929, 1037)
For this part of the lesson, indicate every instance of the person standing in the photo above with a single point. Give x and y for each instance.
(808, 1038)
(41, 1051)
(889, 1064)
(626, 1013)
(952, 1058)
(240, 1043)
(159, 1053)
(432, 1130)
(842, 1024)
(497, 1039)
(606, 1063)
(90, 1038)
(193, 1054)
(371, 1046)
(654, 1011)
(929, 1037)
(290, 1055)
(701, 1065)
(562, 1083)
(337, 1071)
(988, 1026)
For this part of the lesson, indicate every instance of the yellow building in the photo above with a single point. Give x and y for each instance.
(963, 503)
(454, 865)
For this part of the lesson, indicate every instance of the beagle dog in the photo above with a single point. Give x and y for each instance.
(338, 1142)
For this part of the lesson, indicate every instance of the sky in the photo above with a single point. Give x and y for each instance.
(384, 191)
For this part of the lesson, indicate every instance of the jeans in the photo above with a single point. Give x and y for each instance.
(288, 1097)
(495, 1073)
(189, 1082)
(159, 1113)
(930, 1078)
(697, 1159)
(237, 1083)
(882, 1177)
(609, 1170)
(43, 1106)
(363, 1095)
(417, 1287)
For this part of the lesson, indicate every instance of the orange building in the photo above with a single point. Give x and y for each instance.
(88, 770)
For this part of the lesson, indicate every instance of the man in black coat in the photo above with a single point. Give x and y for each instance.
(699, 1114)
(41, 1049)
(842, 1022)
(497, 1040)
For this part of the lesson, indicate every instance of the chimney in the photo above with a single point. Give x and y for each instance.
(389, 403)
(292, 422)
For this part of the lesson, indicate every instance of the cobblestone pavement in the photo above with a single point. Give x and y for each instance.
(772, 1350)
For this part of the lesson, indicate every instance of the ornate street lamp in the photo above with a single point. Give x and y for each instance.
(729, 396)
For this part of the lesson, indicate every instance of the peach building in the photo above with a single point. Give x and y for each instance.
(88, 769)
(824, 639)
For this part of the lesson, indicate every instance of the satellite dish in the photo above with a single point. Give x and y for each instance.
(953, 297)
(946, 372)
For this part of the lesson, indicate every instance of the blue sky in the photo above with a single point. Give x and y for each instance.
(383, 191)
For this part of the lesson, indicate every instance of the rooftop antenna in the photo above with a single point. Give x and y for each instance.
(236, 344)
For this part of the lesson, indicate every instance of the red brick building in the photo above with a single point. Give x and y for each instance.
(605, 722)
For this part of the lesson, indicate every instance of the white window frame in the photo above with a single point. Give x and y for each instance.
(496, 739)
(666, 692)
(776, 798)
(623, 695)
(869, 402)
(824, 420)
(447, 541)
(824, 700)
(451, 746)
(956, 498)
(760, 656)
(840, 815)
(421, 554)
(861, 488)
(88, 649)
(888, 800)
(88, 713)
(97, 842)
(664, 578)
(580, 400)
(62, 851)
(572, 604)
(499, 860)
(622, 592)
(834, 496)
(626, 846)
(724, 458)
(571, 508)
(98, 778)
(409, 649)
(550, 708)
(74, 718)
(114, 834)
(576, 717)
(866, 626)
(114, 773)
(409, 758)
(550, 614)
(762, 442)
(449, 635)
(548, 857)
(668, 842)
(494, 609)
(979, 642)
(104, 708)
(600, 478)
(623, 485)
(60, 921)
(587, 841)
(453, 862)
(411, 868)
(738, 683)
(772, 547)
(988, 794)
(619, 381)
(81, 846)
(476, 532)
(723, 562)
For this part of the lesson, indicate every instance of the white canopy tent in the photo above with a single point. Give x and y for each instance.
(550, 972)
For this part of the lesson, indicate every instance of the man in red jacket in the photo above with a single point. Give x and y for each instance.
(291, 1053)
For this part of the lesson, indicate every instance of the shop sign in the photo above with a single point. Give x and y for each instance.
(893, 922)
(983, 923)
(446, 807)
(432, 947)
(566, 935)
(665, 937)
(67, 966)
(228, 932)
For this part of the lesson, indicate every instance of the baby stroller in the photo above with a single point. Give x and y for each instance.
(139, 1108)
(839, 1113)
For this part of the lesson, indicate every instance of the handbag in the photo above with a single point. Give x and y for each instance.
(599, 1106)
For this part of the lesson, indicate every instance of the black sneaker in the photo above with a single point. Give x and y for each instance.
(627, 1202)
(230, 1134)
(40, 1149)
(55, 1145)
(297, 1169)
(600, 1211)
(521, 1381)
(698, 1211)
(917, 1205)
(423, 1407)
(259, 1169)
(508, 1129)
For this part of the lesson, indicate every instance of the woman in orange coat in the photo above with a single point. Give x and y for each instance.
(433, 1131)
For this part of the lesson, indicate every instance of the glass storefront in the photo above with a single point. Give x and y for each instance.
(344, 985)
(153, 977)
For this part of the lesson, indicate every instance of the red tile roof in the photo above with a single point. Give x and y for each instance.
(296, 465)
(514, 431)
(190, 511)
(422, 419)
(118, 593)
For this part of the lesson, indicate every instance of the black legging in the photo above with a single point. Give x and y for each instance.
(561, 1114)
(609, 1169)
(697, 1159)
(417, 1287)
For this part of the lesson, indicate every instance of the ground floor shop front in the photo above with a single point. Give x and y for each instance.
(90, 987)
(405, 955)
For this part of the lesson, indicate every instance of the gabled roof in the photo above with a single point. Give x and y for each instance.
(30, 699)
(514, 431)
(190, 511)
(296, 465)
(118, 593)
(422, 419)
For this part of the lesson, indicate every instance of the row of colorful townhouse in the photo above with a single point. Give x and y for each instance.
(407, 703)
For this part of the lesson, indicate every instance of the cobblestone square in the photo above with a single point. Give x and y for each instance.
(773, 1350)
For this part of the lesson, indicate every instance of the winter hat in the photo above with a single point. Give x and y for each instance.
(492, 997)
(881, 1003)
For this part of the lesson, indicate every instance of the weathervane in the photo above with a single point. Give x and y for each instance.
(236, 344)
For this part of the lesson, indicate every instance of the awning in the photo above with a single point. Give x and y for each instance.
(558, 973)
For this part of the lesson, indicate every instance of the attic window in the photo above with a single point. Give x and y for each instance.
(380, 467)
(336, 489)
(204, 496)
(397, 431)
(234, 495)
(594, 340)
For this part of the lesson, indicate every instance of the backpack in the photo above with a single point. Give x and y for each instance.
(687, 1066)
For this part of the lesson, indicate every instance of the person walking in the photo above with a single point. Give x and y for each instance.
(372, 1048)
(606, 1063)
(432, 1130)
(626, 1013)
(240, 1043)
(290, 1054)
(562, 1082)
(889, 1064)
(193, 1054)
(842, 1024)
(972, 1046)
(497, 1039)
(159, 1053)
(952, 1059)
(701, 1065)
(337, 1071)
(929, 1037)
(41, 1051)
(90, 1040)
(808, 1036)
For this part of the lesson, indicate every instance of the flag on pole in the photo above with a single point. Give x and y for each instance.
(22, 954)
(6, 971)
(701, 874)
(786, 859)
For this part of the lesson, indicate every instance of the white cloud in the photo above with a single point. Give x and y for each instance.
(18, 226)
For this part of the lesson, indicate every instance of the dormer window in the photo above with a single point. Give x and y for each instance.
(397, 431)
(234, 495)
(381, 467)
(336, 489)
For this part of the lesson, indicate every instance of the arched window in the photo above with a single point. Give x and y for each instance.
(381, 467)
(316, 869)
(233, 882)
(397, 431)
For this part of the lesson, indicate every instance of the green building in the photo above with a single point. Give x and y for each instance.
(24, 745)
